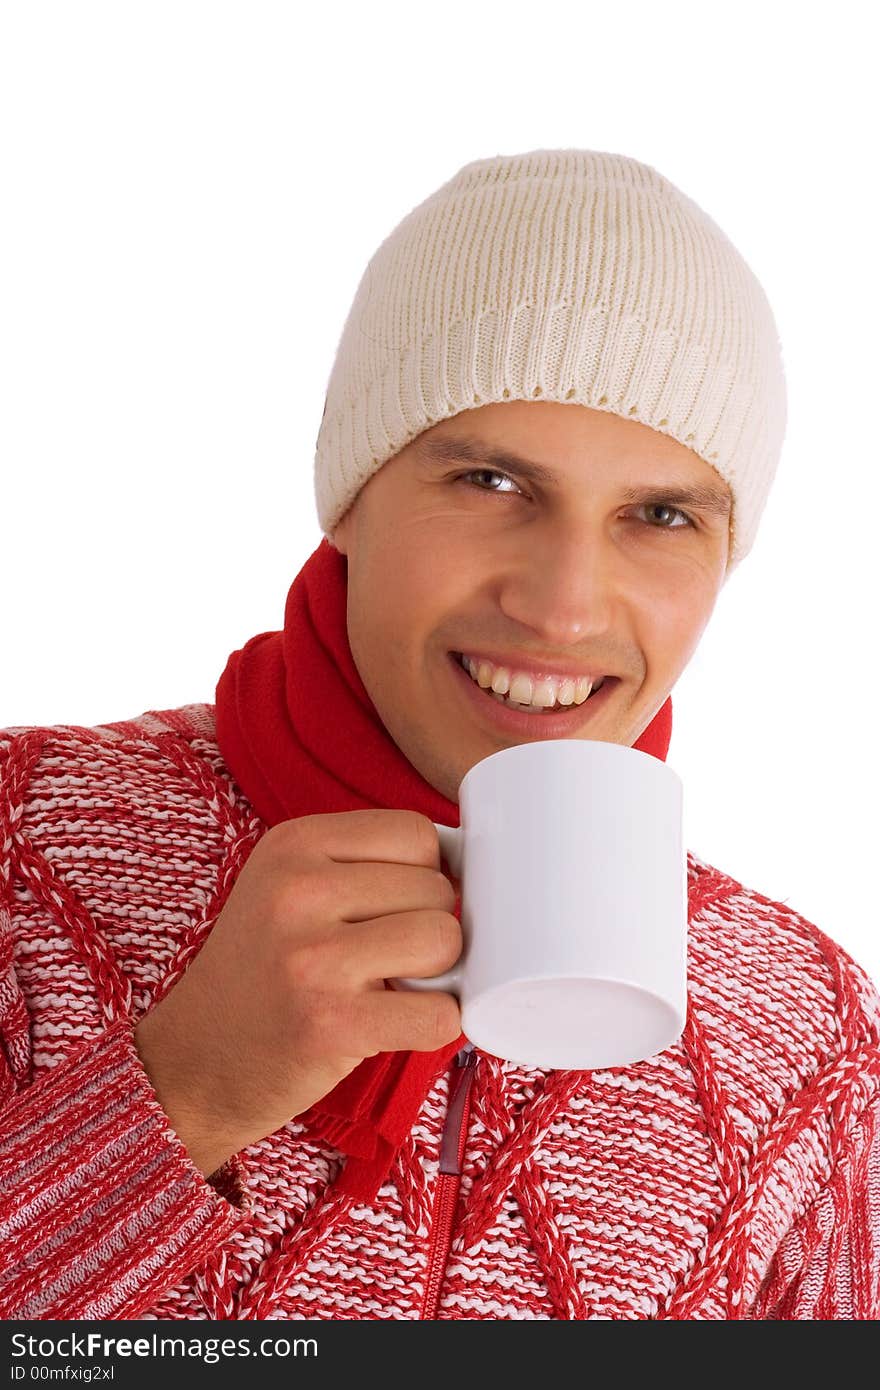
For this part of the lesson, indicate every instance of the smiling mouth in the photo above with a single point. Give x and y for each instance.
(528, 708)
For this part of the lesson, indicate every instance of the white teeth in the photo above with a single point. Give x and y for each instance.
(501, 683)
(522, 690)
(482, 673)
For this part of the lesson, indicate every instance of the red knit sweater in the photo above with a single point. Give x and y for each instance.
(736, 1174)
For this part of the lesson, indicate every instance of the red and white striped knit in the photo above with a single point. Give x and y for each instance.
(734, 1175)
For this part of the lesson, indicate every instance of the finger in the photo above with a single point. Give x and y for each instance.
(402, 1020)
(356, 892)
(375, 835)
(419, 944)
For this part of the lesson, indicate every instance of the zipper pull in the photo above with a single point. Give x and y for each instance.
(460, 1077)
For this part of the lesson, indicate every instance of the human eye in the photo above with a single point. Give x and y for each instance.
(667, 507)
(484, 473)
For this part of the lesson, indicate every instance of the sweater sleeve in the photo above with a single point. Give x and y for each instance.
(102, 1211)
(828, 1264)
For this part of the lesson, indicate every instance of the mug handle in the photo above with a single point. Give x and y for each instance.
(450, 980)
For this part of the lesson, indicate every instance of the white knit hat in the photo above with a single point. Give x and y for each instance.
(562, 275)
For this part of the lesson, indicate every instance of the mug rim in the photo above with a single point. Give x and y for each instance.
(516, 748)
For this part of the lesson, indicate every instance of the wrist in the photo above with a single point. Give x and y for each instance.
(205, 1141)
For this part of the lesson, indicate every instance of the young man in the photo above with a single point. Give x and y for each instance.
(552, 423)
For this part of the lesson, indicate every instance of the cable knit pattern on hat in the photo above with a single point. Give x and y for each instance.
(559, 275)
(734, 1175)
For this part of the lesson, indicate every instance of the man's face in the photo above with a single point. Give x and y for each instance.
(447, 555)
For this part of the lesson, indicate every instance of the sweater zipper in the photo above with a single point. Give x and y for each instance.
(452, 1145)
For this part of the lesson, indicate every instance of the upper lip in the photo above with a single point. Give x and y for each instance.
(537, 669)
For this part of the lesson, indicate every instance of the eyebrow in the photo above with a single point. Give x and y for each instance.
(464, 449)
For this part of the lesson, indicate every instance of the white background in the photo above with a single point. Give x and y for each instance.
(190, 195)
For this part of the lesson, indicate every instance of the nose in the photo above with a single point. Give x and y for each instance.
(561, 585)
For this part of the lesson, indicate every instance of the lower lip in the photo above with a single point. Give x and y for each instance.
(560, 725)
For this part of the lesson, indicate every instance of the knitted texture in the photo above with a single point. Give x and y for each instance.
(734, 1175)
(560, 275)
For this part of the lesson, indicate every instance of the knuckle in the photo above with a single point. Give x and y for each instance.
(447, 939)
(426, 833)
(441, 1021)
(313, 1026)
(302, 894)
(309, 966)
(447, 891)
(305, 1029)
(280, 857)
(287, 835)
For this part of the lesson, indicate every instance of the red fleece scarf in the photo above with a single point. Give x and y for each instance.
(301, 736)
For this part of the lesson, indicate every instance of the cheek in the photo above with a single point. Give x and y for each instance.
(397, 598)
(673, 616)
(681, 625)
(429, 578)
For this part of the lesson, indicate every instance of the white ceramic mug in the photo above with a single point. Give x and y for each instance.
(573, 881)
